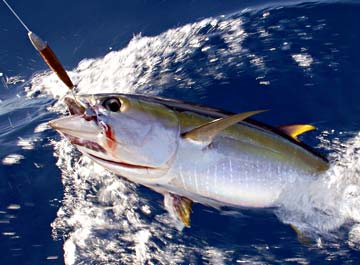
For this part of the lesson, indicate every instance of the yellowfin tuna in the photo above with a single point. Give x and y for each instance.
(190, 153)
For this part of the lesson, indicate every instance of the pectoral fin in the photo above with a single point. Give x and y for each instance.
(179, 208)
(207, 132)
(295, 130)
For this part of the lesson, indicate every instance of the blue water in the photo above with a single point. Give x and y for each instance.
(298, 59)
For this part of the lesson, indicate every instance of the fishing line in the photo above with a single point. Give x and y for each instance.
(16, 15)
(47, 54)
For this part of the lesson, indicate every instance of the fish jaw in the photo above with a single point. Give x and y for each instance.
(85, 134)
(141, 174)
(76, 126)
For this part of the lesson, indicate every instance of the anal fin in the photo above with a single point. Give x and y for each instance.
(179, 208)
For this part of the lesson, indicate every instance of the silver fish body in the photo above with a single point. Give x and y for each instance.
(152, 141)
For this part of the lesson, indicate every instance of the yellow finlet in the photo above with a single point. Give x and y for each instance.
(294, 130)
(207, 132)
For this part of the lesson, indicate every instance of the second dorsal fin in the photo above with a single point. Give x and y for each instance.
(294, 130)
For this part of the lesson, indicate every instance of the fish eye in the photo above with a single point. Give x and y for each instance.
(112, 104)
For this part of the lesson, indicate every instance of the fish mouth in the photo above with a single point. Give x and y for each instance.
(83, 134)
(76, 126)
(85, 143)
(122, 164)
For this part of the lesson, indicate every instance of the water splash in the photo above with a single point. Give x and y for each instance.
(12, 159)
(150, 64)
(330, 202)
(102, 217)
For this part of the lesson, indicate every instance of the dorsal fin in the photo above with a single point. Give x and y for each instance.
(294, 130)
(206, 133)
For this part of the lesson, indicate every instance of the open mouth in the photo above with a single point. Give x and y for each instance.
(122, 164)
(85, 143)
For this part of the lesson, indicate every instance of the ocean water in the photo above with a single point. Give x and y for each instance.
(299, 59)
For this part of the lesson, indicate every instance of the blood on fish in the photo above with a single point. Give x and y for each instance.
(110, 137)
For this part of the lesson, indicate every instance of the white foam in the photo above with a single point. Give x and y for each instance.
(12, 80)
(12, 159)
(303, 59)
(333, 200)
(41, 127)
(27, 143)
(149, 63)
(14, 207)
